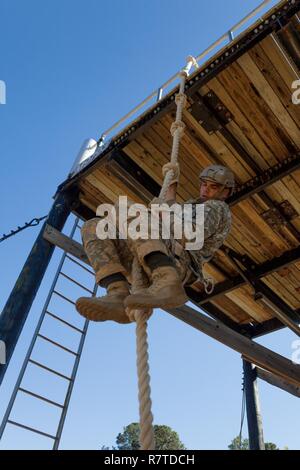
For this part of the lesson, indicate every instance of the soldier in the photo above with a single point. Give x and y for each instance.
(168, 266)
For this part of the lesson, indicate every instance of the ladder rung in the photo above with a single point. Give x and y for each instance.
(57, 344)
(75, 282)
(81, 265)
(31, 429)
(65, 298)
(65, 322)
(28, 392)
(50, 370)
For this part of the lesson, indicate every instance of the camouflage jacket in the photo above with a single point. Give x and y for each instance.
(217, 225)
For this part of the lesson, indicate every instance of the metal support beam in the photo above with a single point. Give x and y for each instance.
(256, 439)
(266, 295)
(17, 307)
(258, 270)
(265, 178)
(268, 326)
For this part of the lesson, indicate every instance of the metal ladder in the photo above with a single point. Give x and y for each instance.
(38, 336)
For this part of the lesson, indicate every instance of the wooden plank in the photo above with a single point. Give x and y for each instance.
(219, 151)
(279, 59)
(88, 203)
(158, 155)
(242, 297)
(284, 384)
(115, 184)
(192, 148)
(285, 193)
(272, 75)
(92, 193)
(251, 245)
(222, 260)
(257, 225)
(144, 159)
(232, 310)
(242, 127)
(283, 290)
(233, 241)
(267, 93)
(111, 194)
(162, 130)
(242, 92)
(253, 352)
(65, 243)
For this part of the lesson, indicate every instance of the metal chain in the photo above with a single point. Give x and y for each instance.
(32, 223)
(242, 411)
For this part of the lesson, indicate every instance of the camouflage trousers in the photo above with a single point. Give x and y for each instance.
(112, 256)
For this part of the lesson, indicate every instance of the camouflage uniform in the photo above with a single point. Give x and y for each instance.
(217, 225)
(113, 256)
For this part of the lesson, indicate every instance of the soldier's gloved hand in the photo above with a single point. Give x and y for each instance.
(176, 172)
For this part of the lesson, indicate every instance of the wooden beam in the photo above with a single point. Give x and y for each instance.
(251, 351)
(65, 243)
(278, 382)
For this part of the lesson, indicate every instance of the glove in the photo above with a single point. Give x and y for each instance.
(176, 172)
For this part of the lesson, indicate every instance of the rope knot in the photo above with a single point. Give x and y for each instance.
(180, 99)
(177, 126)
(171, 167)
(140, 314)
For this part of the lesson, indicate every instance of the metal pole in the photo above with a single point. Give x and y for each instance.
(255, 430)
(159, 93)
(230, 35)
(17, 307)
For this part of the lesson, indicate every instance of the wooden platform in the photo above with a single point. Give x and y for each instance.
(240, 113)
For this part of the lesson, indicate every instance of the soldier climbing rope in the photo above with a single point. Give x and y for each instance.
(119, 262)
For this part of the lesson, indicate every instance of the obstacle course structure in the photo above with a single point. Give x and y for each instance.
(241, 112)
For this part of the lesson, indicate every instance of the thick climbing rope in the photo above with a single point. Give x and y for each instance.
(141, 316)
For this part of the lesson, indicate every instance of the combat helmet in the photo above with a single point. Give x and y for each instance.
(219, 174)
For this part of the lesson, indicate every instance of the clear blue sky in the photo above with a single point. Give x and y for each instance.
(72, 68)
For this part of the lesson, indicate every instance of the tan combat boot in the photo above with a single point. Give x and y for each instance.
(108, 307)
(166, 291)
